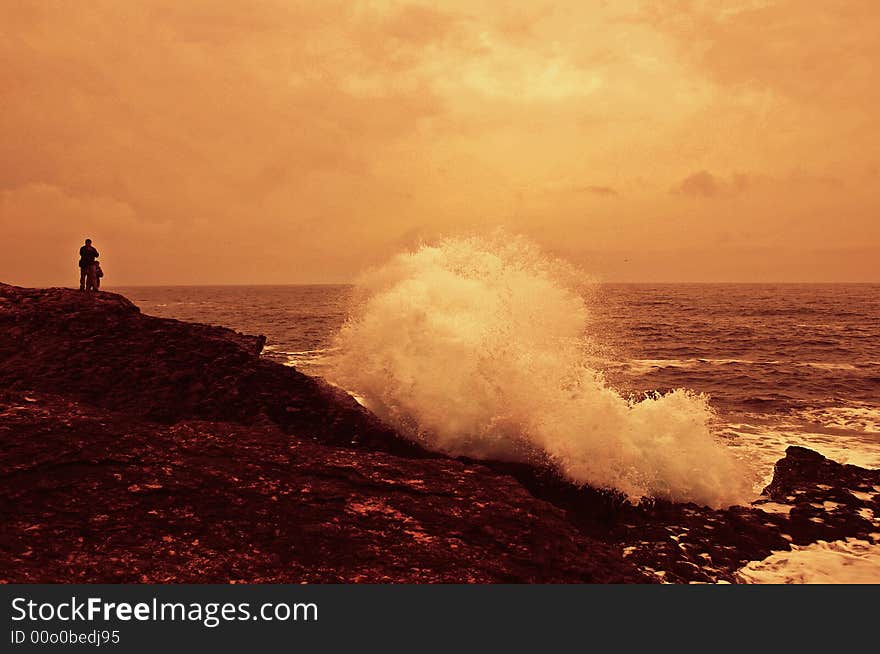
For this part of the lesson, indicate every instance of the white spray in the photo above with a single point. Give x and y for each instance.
(477, 347)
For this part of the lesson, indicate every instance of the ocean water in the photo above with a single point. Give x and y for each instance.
(685, 391)
(782, 364)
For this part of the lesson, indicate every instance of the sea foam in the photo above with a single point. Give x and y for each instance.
(480, 347)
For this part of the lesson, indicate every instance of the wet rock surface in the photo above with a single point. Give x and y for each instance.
(92, 496)
(811, 498)
(140, 449)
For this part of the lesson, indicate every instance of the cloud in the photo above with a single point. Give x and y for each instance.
(604, 191)
(575, 190)
(701, 184)
(317, 137)
(819, 52)
(704, 184)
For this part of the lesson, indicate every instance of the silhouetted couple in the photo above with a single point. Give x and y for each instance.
(90, 272)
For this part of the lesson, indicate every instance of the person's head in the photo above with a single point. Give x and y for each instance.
(88, 241)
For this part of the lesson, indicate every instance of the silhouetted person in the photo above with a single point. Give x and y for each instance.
(98, 274)
(87, 257)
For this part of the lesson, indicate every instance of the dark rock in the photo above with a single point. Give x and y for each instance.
(829, 500)
(166, 370)
(92, 496)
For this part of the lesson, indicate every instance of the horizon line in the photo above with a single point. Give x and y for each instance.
(600, 282)
(351, 283)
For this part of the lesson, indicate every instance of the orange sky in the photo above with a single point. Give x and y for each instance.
(281, 142)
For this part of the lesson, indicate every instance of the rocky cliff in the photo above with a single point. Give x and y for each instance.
(140, 449)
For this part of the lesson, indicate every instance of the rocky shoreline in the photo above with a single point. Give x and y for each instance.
(141, 449)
